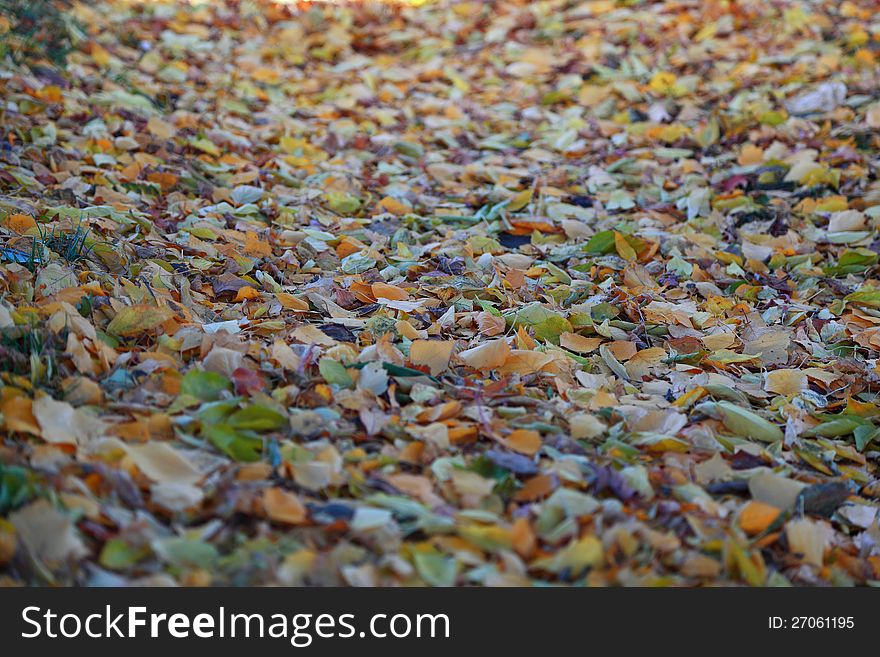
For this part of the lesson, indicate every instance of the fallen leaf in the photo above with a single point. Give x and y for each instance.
(434, 354)
(283, 506)
(47, 533)
(485, 357)
(133, 320)
(524, 441)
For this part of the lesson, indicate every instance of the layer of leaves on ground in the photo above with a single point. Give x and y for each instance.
(476, 293)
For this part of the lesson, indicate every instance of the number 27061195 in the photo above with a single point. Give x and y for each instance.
(811, 622)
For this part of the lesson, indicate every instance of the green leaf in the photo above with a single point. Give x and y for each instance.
(551, 328)
(864, 435)
(335, 373)
(709, 134)
(205, 145)
(204, 385)
(257, 418)
(342, 203)
(839, 426)
(620, 199)
(536, 314)
(235, 444)
(396, 370)
(852, 261)
(602, 311)
(188, 552)
(218, 411)
(118, 554)
(560, 274)
(489, 307)
(435, 568)
(870, 298)
(357, 263)
(401, 371)
(601, 243)
(742, 422)
(680, 267)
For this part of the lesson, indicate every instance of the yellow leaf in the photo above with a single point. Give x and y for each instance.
(268, 75)
(392, 205)
(809, 538)
(285, 356)
(750, 154)
(309, 334)
(662, 82)
(524, 361)
(521, 200)
(100, 55)
(785, 382)
(432, 353)
(872, 116)
(132, 320)
(161, 129)
(486, 356)
(575, 557)
(162, 463)
(624, 250)
(487, 537)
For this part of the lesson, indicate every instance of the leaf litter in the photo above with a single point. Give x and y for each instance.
(494, 293)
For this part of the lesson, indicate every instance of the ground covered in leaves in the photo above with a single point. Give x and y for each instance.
(494, 293)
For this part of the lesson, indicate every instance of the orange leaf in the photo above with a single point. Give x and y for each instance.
(363, 291)
(165, 180)
(490, 324)
(20, 223)
(524, 361)
(463, 434)
(291, 302)
(19, 416)
(536, 488)
(247, 292)
(622, 349)
(578, 343)
(282, 506)
(387, 291)
(256, 247)
(348, 245)
(524, 441)
(392, 205)
(523, 538)
(527, 227)
(756, 517)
